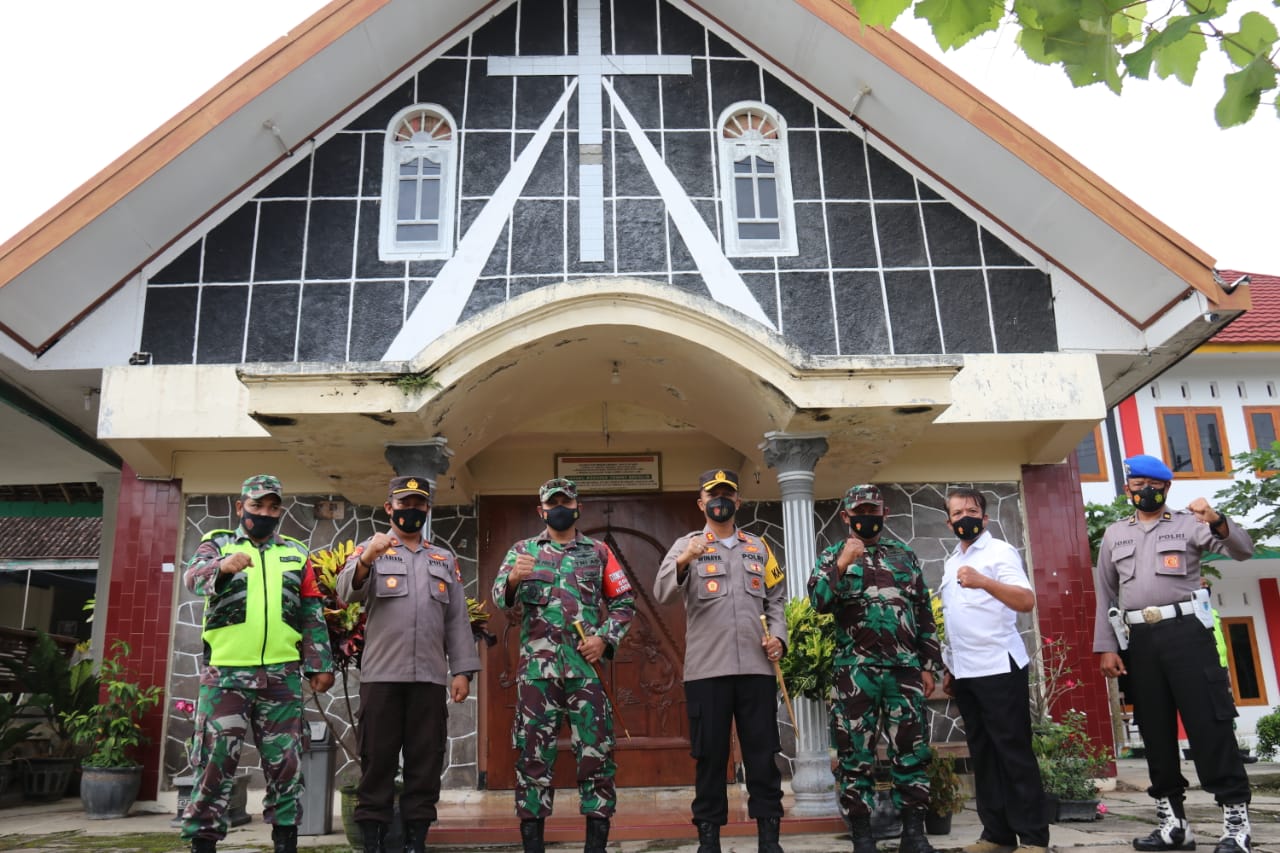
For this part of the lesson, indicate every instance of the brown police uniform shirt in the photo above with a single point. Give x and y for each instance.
(725, 590)
(1155, 563)
(418, 629)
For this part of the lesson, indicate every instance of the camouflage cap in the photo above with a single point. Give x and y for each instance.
(409, 486)
(560, 485)
(716, 476)
(864, 494)
(259, 485)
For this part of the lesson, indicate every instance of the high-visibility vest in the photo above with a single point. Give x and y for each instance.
(254, 617)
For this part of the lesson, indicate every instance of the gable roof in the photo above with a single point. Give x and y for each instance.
(177, 178)
(1261, 323)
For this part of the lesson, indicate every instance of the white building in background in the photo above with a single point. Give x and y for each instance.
(1221, 400)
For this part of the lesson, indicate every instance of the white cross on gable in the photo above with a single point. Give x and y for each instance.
(590, 66)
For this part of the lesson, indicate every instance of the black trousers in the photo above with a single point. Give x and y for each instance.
(750, 701)
(997, 724)
(1174, 669)
(395, 716)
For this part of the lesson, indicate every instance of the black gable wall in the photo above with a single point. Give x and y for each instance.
(884, 264)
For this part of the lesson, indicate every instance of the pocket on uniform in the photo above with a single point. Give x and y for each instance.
(392, 581)
(1122, 557)
(439, 585)
(1219, 680)
(1172, 558)
(695, 730)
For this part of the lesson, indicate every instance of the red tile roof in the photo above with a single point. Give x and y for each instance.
(1261, 323)
(50, 538)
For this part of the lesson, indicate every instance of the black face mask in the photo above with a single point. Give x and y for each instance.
(1149, 499)
(968, 528)
(258, 526)
(561, 518)
(721, 508)
(866, 527)
(409, 519)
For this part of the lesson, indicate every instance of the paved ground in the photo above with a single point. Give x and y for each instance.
(59, 826)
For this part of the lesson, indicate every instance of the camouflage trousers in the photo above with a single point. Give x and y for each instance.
(542, 705)
(869, 700)
(223, 717)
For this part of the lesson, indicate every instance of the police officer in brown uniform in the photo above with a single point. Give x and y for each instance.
(727, 578)
(1149, 572)
(417, 633)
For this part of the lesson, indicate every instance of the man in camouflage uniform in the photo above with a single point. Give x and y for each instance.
(263, 630)
(556, 578)
(886, 655)
(728, 579)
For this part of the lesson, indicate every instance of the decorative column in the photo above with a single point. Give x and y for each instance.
(428, 458)
(794, 458)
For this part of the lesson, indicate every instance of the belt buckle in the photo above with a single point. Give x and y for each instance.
(1151, 615)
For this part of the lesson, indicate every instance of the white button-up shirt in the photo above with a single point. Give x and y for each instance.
(981, 632)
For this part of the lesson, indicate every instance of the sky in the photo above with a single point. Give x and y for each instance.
(86, 79)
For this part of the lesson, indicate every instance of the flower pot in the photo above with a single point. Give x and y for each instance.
(1077, 810)
(109, 792)
(47, 778)
(937, 824)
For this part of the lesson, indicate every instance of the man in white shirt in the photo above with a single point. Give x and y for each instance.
(984, 588)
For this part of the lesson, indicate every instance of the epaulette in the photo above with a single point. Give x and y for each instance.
(219, 537)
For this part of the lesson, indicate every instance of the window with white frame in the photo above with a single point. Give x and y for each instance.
(419, 173)
(755, 177)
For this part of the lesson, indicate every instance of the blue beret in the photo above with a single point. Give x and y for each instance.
(1147, 466)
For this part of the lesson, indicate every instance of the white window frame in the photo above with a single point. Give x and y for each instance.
(443, 152)
(752, 143)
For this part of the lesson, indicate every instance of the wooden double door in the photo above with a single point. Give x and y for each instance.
(646, 674)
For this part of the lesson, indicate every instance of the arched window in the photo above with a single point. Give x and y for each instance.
(755, 180)
(419, 173)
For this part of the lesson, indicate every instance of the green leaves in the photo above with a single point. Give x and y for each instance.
(809, 664)
(956, 22)
(1243, 497)
(1105, 41)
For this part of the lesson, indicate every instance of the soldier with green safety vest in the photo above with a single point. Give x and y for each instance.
(264, 630)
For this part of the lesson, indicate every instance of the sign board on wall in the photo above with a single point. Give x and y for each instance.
(596, 473)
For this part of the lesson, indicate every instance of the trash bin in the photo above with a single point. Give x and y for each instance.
(317, 778)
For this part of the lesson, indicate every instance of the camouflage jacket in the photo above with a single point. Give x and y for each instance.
(881, 606)
(579, 580)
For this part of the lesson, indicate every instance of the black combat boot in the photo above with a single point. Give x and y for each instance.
(597, 835)
(860, 832)
(415, 836)
(767, 829)
(531, 835)
(204, 845)
(708, 836)
(374, 834)
(285, 839)
(913, 840)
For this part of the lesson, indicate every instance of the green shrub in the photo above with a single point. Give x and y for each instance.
(1269, 734)
(809, 664)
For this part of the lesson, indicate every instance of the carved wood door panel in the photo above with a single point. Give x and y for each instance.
(646, 675)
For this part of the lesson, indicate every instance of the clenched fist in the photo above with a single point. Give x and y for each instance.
(236, 562)
(851, 553)
(522, 570)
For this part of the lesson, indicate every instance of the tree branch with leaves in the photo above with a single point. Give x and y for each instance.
(1109, 41)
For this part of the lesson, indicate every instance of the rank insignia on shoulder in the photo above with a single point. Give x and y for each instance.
(1167, 516)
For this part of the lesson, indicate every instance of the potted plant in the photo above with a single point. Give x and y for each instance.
(55, 687)
(808, 667)
(946, 796)
(111, 731)
(1069, 764)
(12, 733)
